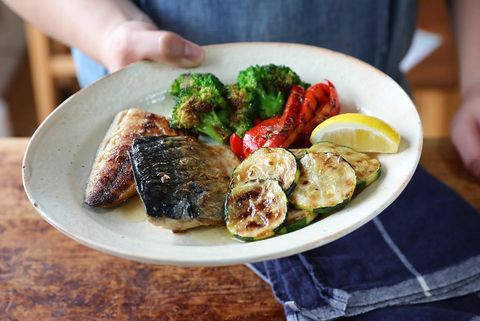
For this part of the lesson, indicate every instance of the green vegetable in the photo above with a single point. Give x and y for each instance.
(195, 80)
(271, 85)
(269, 163)
(367, 169)
(255, 210)
(203, 110)
(297, 219)
(242, 104)
(326, 183)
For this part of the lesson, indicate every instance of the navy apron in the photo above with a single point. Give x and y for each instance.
(378, 32)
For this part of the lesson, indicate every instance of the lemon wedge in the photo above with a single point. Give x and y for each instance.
(358, 131)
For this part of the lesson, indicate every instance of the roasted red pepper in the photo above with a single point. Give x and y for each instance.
(276, 131)
(323, 99)
(304, 110)
(321, 102)
(236, 145)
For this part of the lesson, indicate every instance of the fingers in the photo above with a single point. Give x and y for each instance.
(135, 41)
(466, 137)
(169, 48)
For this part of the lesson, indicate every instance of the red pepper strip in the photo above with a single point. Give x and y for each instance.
(316, 96)
(322, 98)
(327, 104)
(294, 104)
(333, 100)
(276, 131)
(236, 145)
(258, 136)
(292, 114)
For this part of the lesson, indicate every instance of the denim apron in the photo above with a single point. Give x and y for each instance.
(376, 31)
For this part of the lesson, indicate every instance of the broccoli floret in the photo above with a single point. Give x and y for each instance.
(203, 110)
(195, 80)
(271, 86)
(241, 102)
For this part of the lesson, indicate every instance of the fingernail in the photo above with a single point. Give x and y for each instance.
(193, 52)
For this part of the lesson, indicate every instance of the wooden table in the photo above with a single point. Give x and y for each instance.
(46, 276)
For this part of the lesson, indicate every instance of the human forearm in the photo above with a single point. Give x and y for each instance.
(80, 23)
(113, 32)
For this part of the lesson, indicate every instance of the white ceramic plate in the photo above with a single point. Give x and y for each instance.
(60, 155)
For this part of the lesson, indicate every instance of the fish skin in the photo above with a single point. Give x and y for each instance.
(111, 180)
(182, 181)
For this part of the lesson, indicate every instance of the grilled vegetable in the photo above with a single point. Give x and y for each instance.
(176, 190)
(297, 219)
(278, 131)
(304, 110)
(270, 84)
(236, 145)
(268, 163)
(203, 110)
(254, 210)
(196, 81)
(326, 183)
(298, 152)
(241, 103)
(367, 169)
(320, 103)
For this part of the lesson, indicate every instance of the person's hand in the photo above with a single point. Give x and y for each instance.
(465, 131)
(135, 40)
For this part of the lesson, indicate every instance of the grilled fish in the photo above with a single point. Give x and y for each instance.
(111, 180)
(182, 181)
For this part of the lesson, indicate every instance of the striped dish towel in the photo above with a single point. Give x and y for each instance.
(418, 260)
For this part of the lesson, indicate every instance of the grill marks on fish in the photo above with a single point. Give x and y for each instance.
(111, 180)
(181, 180)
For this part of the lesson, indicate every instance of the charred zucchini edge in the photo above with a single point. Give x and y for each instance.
(235, 204)
(297, 219)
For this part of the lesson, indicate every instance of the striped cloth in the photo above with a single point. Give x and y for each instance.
(418, 260)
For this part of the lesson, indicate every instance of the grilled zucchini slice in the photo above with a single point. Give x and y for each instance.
(298, 152)
(268, 163)
(254, 210)
(297, 219)
(367, 169)
(326, 183)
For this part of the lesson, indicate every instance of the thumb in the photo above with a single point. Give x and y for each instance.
(166, 47)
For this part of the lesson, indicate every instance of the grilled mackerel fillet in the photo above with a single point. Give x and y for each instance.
(182, 181)
(111, 180)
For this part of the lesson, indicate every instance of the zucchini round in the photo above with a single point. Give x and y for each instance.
(326, 183)
(268, 163)
(367, 169)
(298, 152)
(256, 209)
(297, 219)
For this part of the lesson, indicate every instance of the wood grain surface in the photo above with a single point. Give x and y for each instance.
(46, 276)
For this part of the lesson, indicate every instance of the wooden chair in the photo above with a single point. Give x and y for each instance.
(52, 68)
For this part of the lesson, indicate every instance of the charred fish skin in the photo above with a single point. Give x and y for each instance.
(156, 179)
(178, 178)
(111, 180)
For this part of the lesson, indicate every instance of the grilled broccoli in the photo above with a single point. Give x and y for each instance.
(241, 102)
(270, 85)
(203, 110)
(195, 80)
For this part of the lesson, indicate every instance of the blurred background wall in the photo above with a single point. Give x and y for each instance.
(37, 73)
